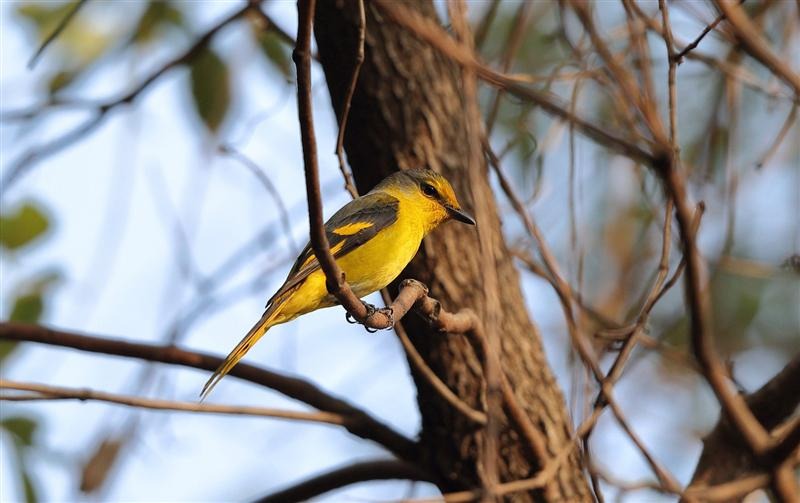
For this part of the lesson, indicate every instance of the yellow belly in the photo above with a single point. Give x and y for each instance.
(367, 269)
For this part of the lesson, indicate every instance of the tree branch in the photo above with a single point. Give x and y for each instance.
(358, 422)
(101, 109)
(47, 392)
(755, 45)
(550, 103)
(725, 455)
(379, 469)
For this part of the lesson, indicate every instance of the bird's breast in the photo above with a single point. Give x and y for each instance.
(380, 260)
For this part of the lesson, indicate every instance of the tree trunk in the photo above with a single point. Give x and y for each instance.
(409, 111)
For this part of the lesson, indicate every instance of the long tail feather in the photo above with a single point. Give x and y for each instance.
(255, 333)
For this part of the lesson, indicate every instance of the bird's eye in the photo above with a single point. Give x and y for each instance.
(429, 190)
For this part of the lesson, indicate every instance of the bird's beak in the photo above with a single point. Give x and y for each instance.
(459, 215)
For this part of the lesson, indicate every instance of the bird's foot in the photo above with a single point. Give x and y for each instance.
(371, 311)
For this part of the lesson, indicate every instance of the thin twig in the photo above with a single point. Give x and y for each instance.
(351, 89)
(550, 103)
(364, 471)
(671, 84)
(678, 58)
(422, 367)
(755, 45)
(700, 317)
(512, 46)
(579, 342)
(359, 422)
(773, 149)
(48, 392)
(265, 181)
(101, 109)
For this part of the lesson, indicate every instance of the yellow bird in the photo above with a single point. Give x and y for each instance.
(372, 239)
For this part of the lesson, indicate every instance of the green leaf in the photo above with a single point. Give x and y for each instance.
(22, 226)
(29, 304)
(45, 16)
(210, 88)
(276, 51)
(22, 429)
(27, 308)
(60, 80)
(159, 14)
(6, 348)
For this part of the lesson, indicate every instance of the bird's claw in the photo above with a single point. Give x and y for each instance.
(371, 311)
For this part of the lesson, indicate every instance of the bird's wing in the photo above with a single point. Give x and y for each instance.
(353, 225)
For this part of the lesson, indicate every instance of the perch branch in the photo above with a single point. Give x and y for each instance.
(379, 469)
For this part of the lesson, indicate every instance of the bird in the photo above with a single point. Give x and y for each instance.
(372, 238)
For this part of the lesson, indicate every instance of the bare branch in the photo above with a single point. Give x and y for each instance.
(358, 422)
(100, 110)
(678, 58)
(726, 456)
(365, 471)
(265, 181)
(419, 363)
(755, 45)
(48, 392)
(351, 89)
(550, 103)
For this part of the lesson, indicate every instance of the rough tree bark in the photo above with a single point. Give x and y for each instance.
(408, 110)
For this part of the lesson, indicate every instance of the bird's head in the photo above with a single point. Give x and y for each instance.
(430, 193)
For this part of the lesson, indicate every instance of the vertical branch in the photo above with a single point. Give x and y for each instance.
(671, 85)
(348, 99)
(335, 281)
(302, 59)
(701, 326)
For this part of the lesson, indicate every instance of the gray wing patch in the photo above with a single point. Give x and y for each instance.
(377, 209)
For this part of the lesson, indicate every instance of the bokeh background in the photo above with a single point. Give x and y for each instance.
(178, 216)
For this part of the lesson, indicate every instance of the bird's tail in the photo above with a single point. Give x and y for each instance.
(255, 333)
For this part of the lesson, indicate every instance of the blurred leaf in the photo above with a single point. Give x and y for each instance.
(45, 16)
(29, 304)
(158, 15)
(276, 51)
(27, 308)
(22, 429)
(22, 226)
(737, 301)
(82, 40)
(210, 88)
(60, 80)
(6, 347)
(96, 470)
